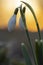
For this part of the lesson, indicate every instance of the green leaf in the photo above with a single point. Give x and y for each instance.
(39, 51)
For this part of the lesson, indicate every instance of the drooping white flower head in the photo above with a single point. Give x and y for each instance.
(21, 24)
(12, 23)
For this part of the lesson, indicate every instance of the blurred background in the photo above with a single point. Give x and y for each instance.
(13, 39)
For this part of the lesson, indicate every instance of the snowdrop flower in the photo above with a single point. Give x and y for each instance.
(21, 23)
(12, 21)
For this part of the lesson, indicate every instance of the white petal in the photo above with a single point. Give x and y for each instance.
(21, 24)
(12, 23)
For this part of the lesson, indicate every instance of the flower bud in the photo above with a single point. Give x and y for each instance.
(12, 23)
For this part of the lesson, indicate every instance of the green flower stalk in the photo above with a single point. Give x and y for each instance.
(31, 9)
(27, 33)
(26, 55)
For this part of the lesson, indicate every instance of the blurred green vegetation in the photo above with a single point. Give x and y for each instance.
(38, 51)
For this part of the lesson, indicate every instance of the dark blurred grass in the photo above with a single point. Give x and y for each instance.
(6, 61)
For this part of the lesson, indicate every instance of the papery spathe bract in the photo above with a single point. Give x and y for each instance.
(12, 23)
(21, 24)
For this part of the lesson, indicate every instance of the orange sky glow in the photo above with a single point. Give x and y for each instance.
(8, 6)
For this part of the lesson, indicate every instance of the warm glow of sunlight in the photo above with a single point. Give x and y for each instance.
(8, 6)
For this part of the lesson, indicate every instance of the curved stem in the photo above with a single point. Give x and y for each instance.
(31, 9)
(24, 21)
